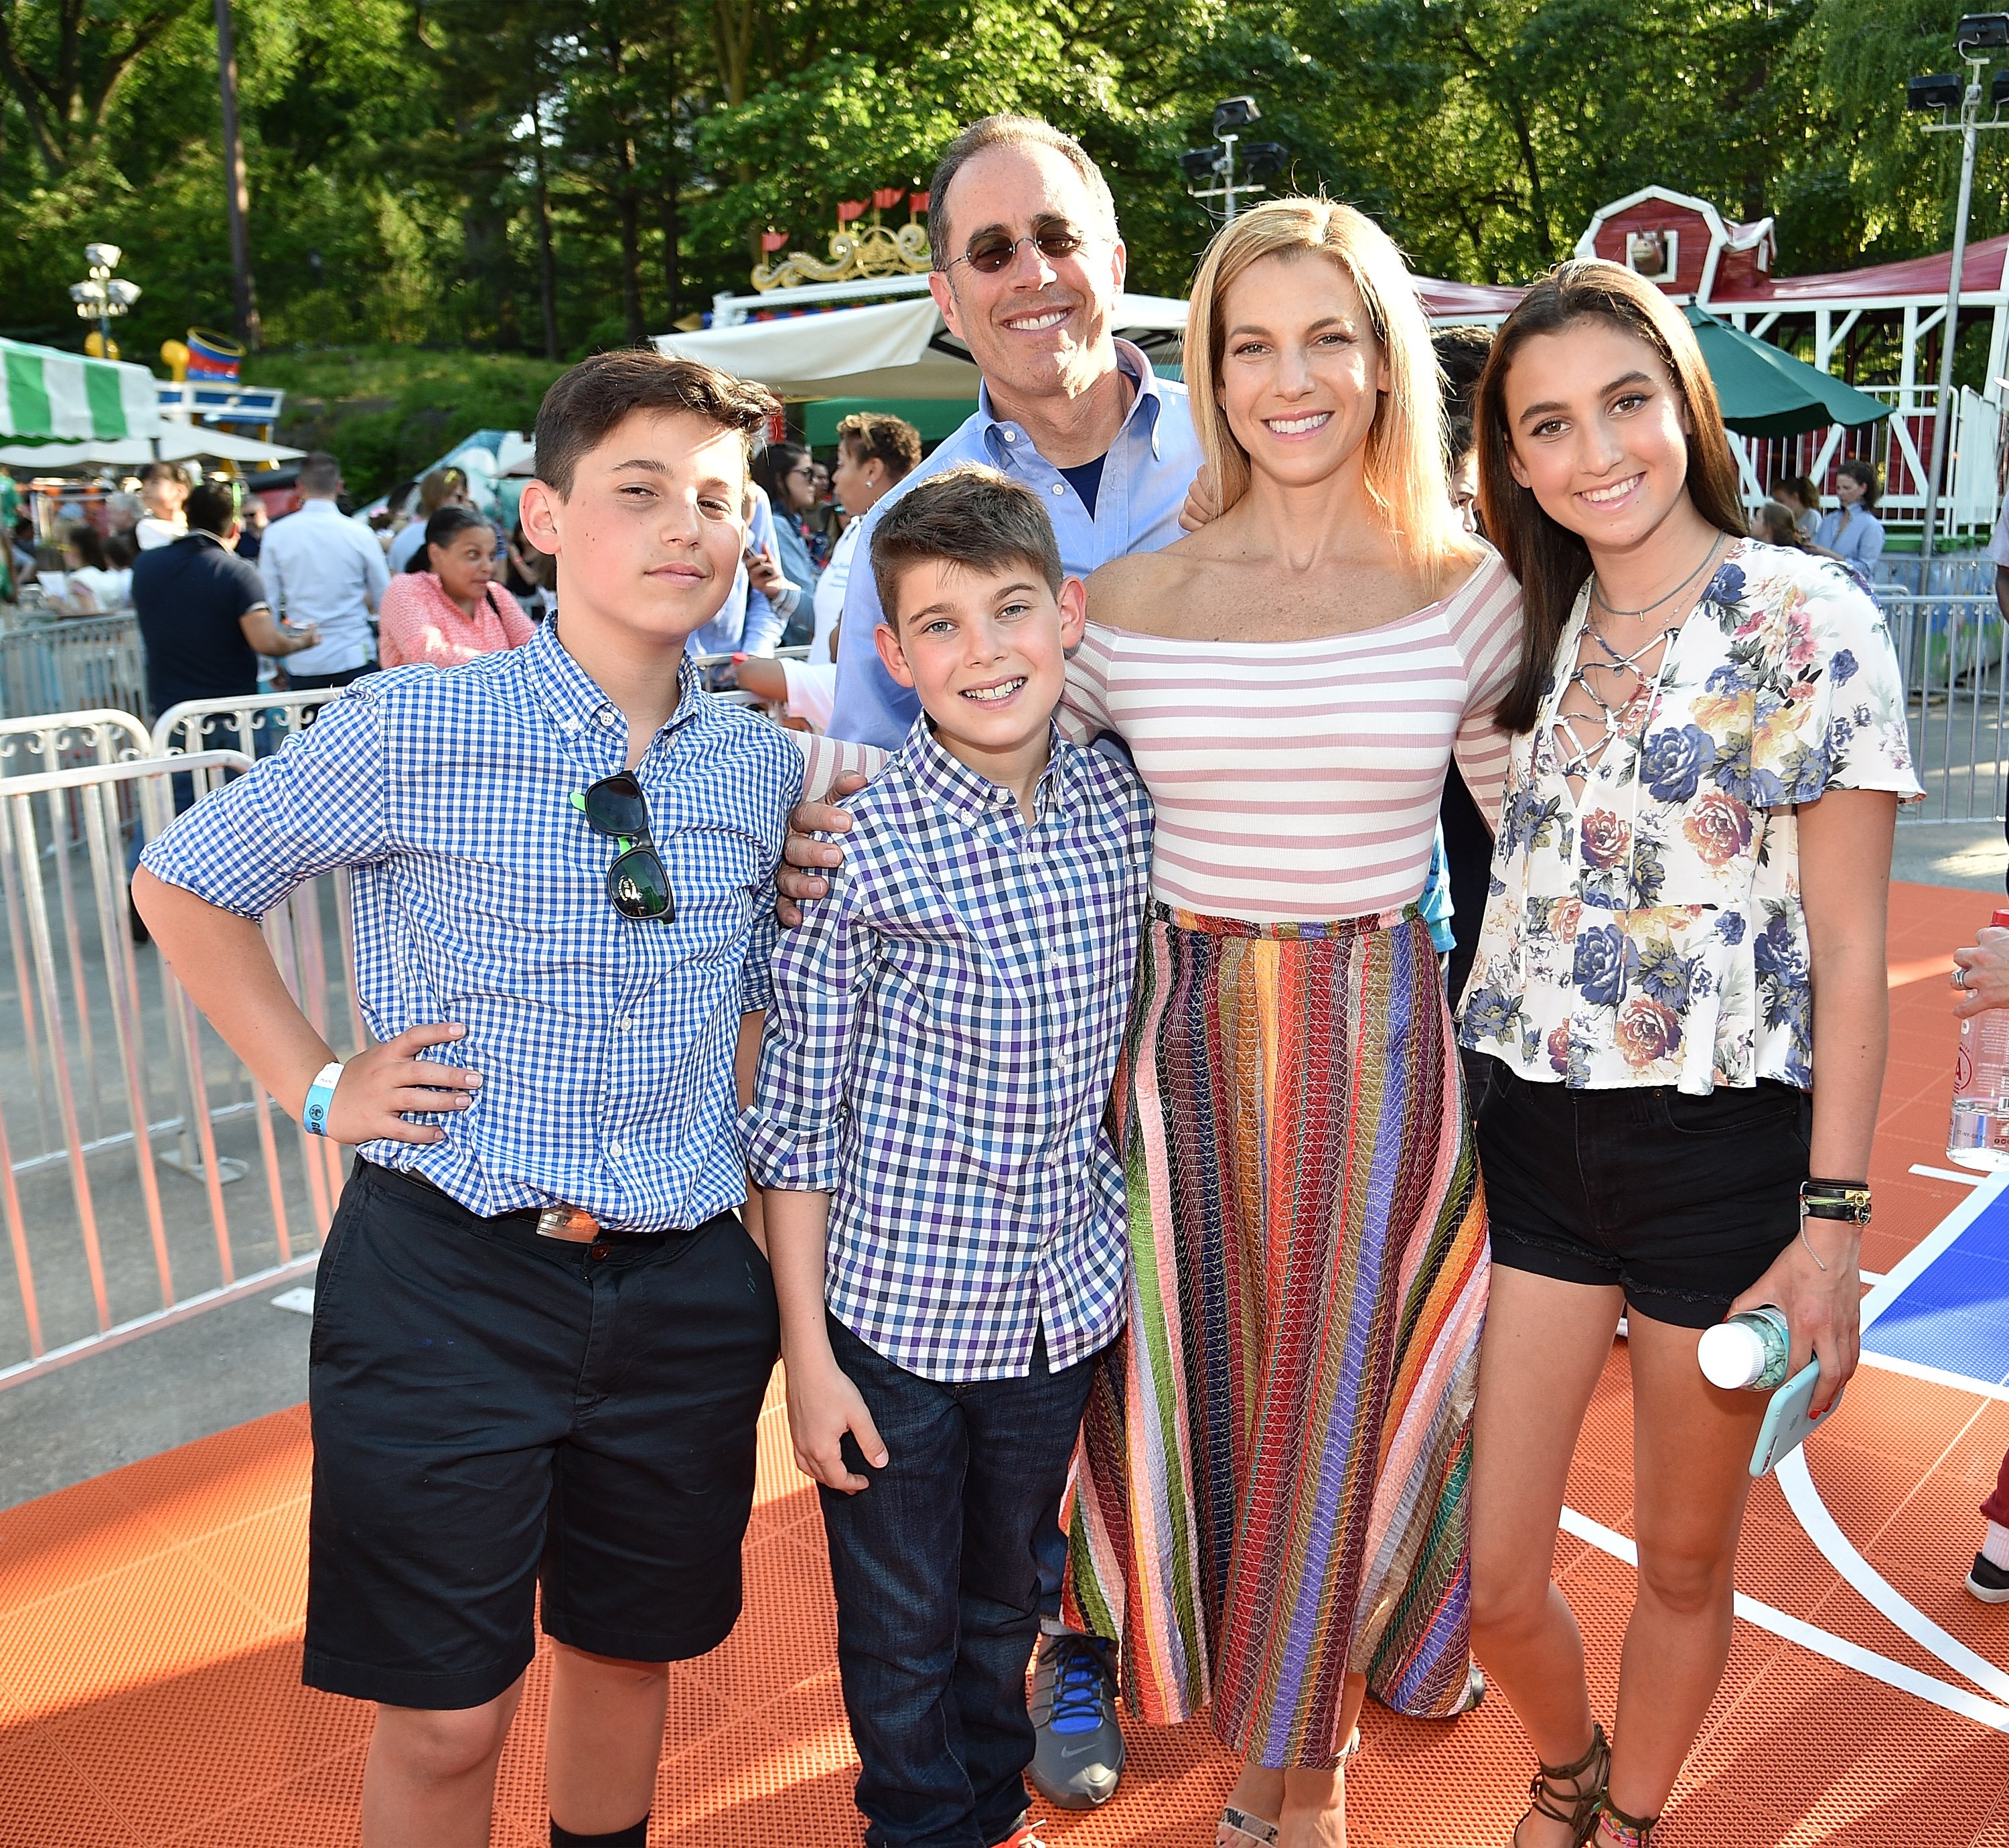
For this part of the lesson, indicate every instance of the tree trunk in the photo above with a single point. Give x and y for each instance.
(237, 192)
(628, 202)
(548, 268)
(672, 179)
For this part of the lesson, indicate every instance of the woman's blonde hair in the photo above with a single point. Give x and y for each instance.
(1406, 470)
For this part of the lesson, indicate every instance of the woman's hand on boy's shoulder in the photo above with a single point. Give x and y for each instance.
(379, 1090)
(824, 1405)
(793, 881)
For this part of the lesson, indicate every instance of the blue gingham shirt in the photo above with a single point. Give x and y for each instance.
(1145, 476)
(938, 1057)
(605, 1044)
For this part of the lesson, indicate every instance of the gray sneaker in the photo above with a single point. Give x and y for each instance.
(1078, 1758)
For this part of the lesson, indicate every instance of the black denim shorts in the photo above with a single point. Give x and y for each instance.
(1681, 1201)
(494, 1410)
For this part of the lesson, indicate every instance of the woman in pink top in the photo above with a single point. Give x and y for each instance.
(1271, 1511)
(445, 607)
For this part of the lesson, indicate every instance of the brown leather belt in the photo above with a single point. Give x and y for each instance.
(571, 1225)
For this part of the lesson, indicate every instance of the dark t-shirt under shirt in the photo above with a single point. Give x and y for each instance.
(189, 597)
(1087, 478)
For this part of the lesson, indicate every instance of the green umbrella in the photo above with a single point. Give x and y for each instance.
(1766, 391)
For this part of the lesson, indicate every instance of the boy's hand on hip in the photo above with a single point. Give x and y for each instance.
(380, 1088)
(801, 850)
(823, 1405)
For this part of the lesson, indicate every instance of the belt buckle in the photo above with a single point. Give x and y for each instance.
(572, 1223)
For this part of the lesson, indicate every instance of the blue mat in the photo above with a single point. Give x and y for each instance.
(1955, 1314)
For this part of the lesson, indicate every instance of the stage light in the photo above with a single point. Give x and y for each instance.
(1983, 32)
(1232, 117)
(1932, 93)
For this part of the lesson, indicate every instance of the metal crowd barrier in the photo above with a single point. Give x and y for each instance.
(72, 664)
(258, 725)
(1955, 654)
(133, 1143)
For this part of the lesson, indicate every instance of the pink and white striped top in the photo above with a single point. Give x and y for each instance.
(1299, 781)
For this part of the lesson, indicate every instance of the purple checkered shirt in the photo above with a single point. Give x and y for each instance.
(944, 1030)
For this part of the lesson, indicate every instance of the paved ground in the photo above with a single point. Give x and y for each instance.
(166, 1388)
(1970, 853)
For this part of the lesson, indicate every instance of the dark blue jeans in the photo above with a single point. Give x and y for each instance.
(937, 1576)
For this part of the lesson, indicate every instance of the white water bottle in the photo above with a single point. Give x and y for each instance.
(1748, 1351)
(1979, 1135)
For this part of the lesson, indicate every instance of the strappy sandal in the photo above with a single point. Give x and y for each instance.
(1581, 1810)
(1262, 1834)
(1622, 1830)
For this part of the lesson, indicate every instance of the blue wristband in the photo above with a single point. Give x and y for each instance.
(321, 1097)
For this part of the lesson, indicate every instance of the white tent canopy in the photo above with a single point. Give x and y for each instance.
(178, 442)
(891, 349)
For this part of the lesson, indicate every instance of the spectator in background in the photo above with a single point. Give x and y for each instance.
(164, 491)
(203, 613)
(1453, 900)
(23, 550)
(1800, 497)
(787, 477)
(253, 520)
(873, 452)
(1852, 532)
(1776, 524)
(122, 514)
(96, 587)
(443, 487)
(761, 599)
(528, 574)
(324, 570)
(445, 607)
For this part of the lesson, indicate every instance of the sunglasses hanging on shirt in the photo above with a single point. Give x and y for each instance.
(637, 884)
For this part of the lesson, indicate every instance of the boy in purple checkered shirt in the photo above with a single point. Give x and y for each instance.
(945, 1211)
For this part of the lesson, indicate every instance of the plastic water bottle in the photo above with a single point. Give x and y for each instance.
(1979, 1135)
(1749, 1350)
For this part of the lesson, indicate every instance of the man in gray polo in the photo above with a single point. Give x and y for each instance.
(321, 568)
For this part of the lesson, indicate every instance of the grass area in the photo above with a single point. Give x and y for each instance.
(388, 411)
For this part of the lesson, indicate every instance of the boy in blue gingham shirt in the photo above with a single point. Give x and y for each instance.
(542, 1335)
(946, 1211)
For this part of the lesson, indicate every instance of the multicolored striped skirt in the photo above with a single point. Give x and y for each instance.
(1271, 1489)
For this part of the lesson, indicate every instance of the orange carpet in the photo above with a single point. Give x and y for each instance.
(149, 1626)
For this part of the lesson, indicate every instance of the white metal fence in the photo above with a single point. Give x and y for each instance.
(72, 664)
(143, 1174)
(1955, 654)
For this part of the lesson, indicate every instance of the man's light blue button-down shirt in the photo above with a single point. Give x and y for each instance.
(1144, 477)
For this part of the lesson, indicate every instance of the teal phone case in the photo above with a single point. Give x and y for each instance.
(1787, 1423)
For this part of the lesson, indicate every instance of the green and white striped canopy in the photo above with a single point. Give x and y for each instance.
(47, 394)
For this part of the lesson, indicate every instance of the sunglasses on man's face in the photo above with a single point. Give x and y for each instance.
(637, 884)
(990, 252)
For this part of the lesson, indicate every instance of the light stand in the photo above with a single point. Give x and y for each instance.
(1978, 34)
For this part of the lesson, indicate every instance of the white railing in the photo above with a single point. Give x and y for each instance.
(128, 1132)
(1954, 653)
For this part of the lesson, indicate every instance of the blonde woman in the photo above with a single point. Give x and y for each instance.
(1271, 1507)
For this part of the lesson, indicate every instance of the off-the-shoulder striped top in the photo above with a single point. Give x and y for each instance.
(1299, 781)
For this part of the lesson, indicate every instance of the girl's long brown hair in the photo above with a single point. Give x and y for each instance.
(1551, 561)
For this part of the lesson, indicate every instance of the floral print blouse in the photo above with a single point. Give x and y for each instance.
(1650, 931)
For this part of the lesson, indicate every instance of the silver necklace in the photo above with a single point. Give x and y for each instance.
(1708, 558)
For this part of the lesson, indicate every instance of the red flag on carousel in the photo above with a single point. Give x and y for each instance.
(885, 198)
(848, 209)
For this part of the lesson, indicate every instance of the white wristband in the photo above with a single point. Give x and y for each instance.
(320, 1096)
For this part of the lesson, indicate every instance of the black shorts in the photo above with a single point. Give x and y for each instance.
(493, 1408)
(1682, 1202)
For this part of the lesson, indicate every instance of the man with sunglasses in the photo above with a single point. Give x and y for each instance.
(1027, 267)
(542, 1333)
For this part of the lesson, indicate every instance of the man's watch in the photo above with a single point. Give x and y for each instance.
(1846, 1201)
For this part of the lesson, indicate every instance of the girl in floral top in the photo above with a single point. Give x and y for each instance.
(1688, 890)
